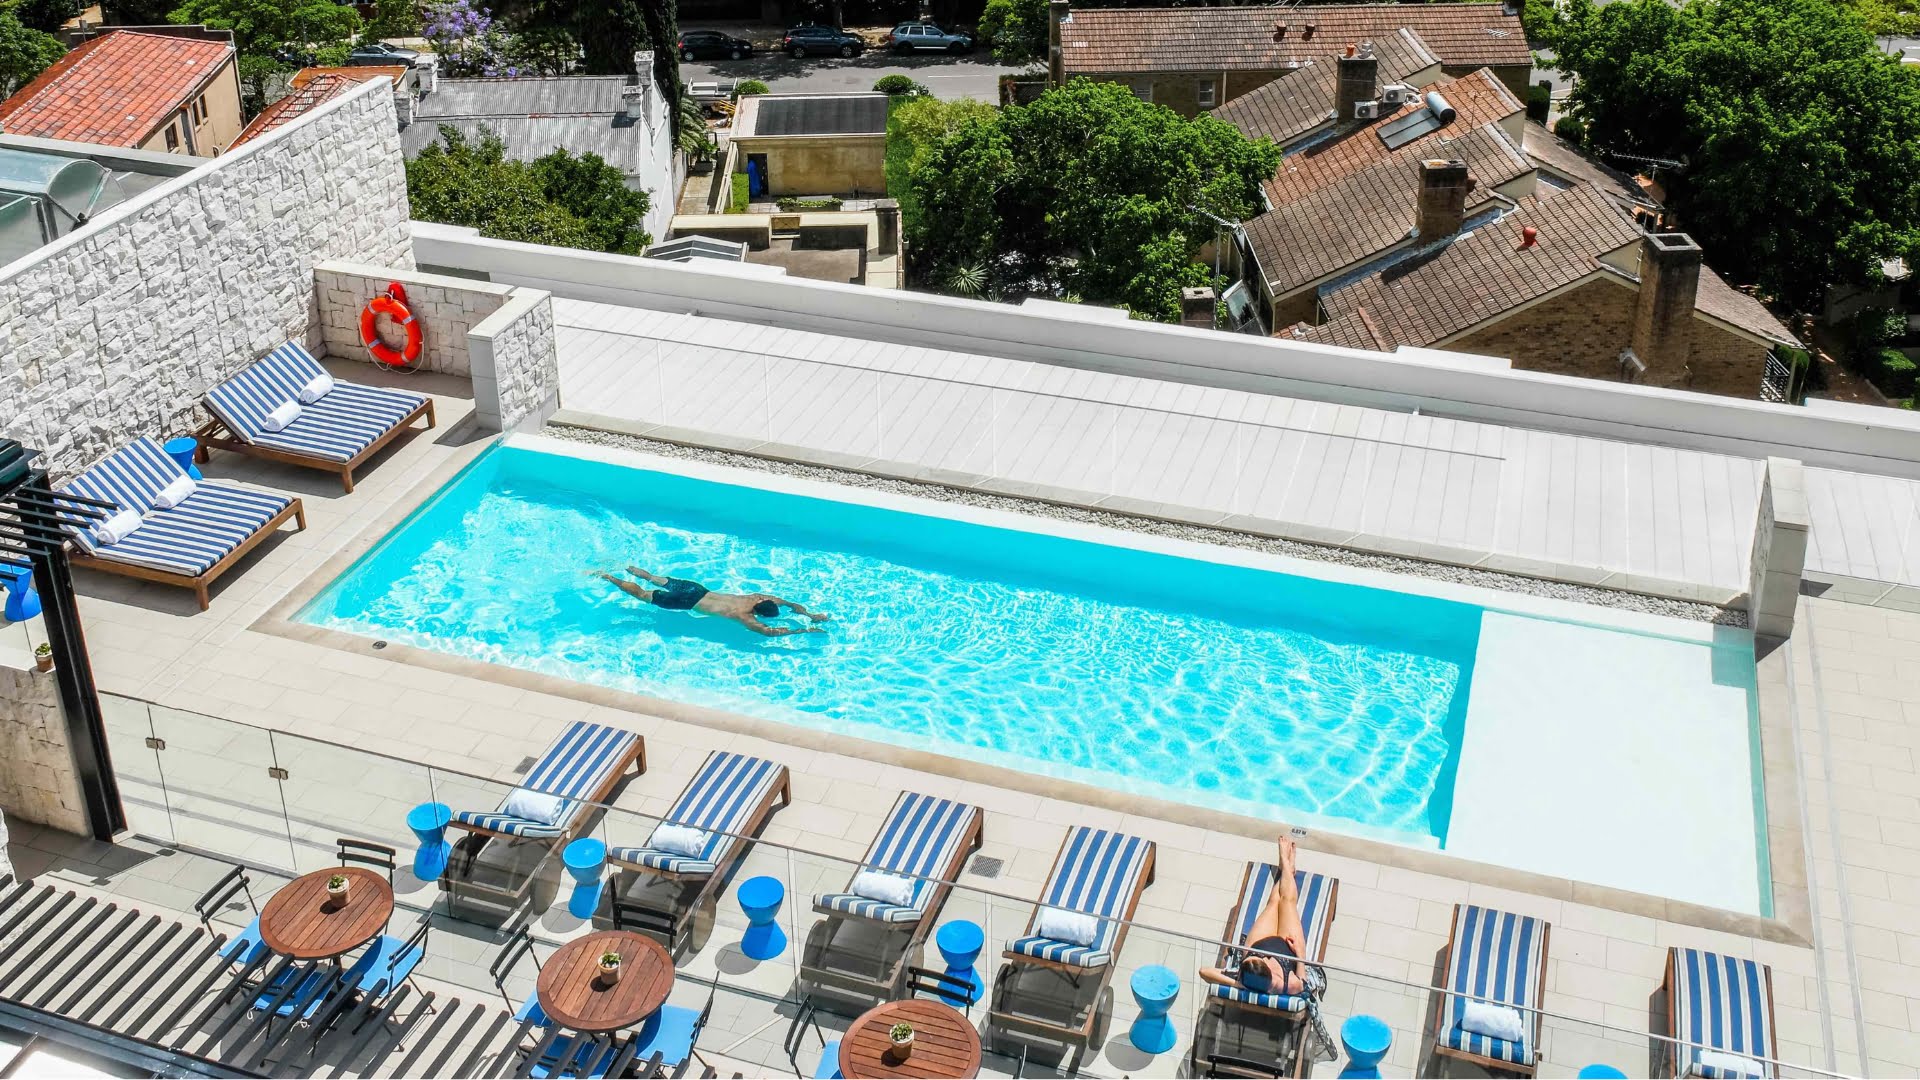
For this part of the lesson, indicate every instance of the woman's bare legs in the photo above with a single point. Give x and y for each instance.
(1281, 917)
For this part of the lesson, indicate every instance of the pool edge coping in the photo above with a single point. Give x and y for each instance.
(1790, 924)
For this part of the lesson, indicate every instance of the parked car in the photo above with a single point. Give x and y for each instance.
(821, 41)
(381, 54)
(713, 45)
(926, 36)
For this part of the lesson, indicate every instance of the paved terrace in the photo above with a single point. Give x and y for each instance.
(1852, 1004)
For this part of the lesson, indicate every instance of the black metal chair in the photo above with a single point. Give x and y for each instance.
(379, 856)
(519, 944)
(1223, 1065)
(804, 1017)
(941, 985)
(241, 951)
(628, 915)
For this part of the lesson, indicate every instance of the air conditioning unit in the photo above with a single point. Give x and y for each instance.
(1398, 94)
(1366, 110)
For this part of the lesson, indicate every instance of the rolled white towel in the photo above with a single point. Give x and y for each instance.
(535, 806)
(174, 493)
(1737, 1064)
(287, 413)
(1074, 927)
(116, 528)
(1493, 1021)
(884, 887)
(683, 840)
(317, 387)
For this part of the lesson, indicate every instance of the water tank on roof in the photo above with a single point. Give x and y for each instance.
(64, 192)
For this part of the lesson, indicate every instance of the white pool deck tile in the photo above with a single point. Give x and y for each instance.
(1850, 1004)
(1643, 789)
(1605, 507)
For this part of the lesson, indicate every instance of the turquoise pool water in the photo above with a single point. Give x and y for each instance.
(1283, 696)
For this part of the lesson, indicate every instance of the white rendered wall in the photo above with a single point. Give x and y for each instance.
(119, 328)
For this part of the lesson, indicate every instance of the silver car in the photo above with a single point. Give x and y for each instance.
(913, 36)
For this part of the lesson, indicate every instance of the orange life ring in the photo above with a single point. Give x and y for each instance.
(393, 304)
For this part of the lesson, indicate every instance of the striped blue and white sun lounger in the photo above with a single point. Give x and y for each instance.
(335, 432)
(728, 798)
(1100, 873)
(1500, 958)
(1722, 1008)
(580, 766)
(1319, 899)
(189, 544)
(923, 838)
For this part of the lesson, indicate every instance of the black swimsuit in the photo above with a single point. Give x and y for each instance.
(679, 594)
(1275, 951)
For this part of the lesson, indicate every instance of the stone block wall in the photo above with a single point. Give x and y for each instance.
(516, 366)
(1779, 549)
(448, 308)
(37, 778)
(119, 328)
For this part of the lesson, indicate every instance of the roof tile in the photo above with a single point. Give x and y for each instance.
(115, 89)
(1119, 40)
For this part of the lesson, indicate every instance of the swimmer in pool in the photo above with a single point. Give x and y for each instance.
(1267, 965)
(747, 609)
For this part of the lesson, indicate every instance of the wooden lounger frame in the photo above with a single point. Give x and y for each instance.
(1441, 1012)
(205, 579)
(683, 918)
(1771, 1052)
(1072, 972)
(890, 981)
(1224, 1005)
(215, 432)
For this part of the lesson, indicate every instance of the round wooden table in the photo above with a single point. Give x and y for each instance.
(944, 1042)
(299, 921)
(575, 996)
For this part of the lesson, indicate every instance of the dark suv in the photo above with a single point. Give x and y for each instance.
(713, 45)
(821, 41)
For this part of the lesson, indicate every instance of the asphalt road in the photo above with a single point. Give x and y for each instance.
(973, 75)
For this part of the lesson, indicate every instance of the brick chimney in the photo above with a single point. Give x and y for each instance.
(1359, 70)
(1057, 14)
(1663, 312)
(1442, 203)
(1196, 307)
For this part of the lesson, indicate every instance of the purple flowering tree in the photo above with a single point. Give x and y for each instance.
(464, 38)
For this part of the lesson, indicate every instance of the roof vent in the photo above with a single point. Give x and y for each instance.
(1306, 33)
(1279, 31)
(1529, 236)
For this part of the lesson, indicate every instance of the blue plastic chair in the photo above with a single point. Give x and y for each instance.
(673, 1031)
(566, 1054)
(388, 962)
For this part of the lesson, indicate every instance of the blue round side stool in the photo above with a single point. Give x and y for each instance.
(23, 600)
(960, 942)
(1154, 988)
(760, 898)
(181, 450)
(1600, 1072)
(1366, 1039)
(584, 859)
(429, 824)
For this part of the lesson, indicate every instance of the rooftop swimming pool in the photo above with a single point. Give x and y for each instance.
(1288, 691)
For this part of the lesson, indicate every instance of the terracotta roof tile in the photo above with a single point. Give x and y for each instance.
(306, 95)
(1301, 100)
(1116, 40)
(1371, 210)
(115, 89)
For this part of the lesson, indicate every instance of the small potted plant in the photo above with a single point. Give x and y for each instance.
(43, 657)
(337, 888)
(902, 1037)
(610, 966)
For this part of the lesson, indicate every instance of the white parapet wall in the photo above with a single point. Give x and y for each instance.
(516, 364)
(119, 328)
(1779, 548)
(1465, 390)
(447, 308)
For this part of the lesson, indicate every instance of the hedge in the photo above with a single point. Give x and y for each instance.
(1893, 372)
(801, 205)
(737, 198)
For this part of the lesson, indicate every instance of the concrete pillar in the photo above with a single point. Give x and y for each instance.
(1779, 549)
(1197, 307)
(38, 779)
(1663, 312)
(1441, 204)
(1358, 74)
(888, 211)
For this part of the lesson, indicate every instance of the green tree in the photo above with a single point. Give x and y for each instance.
(1016, 30)
(1799, 142)
(914, 128)
(24, 52)
(560, 199)
(393, 19)
(46, 15)
(1087, 192)
(271, 36)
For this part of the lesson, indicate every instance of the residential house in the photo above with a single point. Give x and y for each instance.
(1192, 59)
(313, 86)
(174, 89)
(629, 125)
(812, 144)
